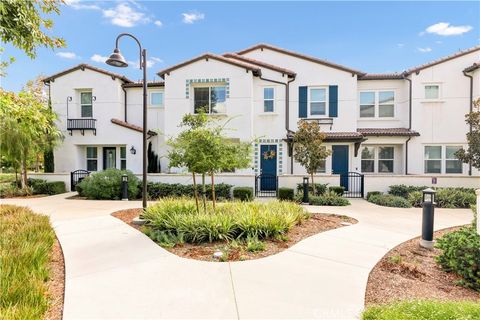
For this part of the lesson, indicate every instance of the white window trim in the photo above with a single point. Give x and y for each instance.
(150, 104)
(440, 92)
(81, 104)
(376, 159)
(443, 159)
(273, 99)
(310, 115)
(376, 108)
(87, 158)
(208, 85)
(120, 157)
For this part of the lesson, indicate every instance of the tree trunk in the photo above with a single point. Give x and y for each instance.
(195, 191)
(37, 163)
(204, 193)
(313, 184)
(213, 189)
(24, 170)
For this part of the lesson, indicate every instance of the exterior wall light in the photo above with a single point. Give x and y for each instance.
(133, 150)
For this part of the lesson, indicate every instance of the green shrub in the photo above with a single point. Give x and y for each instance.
(373, 193)
(106, 185)
(158, 190)
(243, 193)
(286, 194)
(11, 190)
(402, 190)
(461, 254)
(388, 200)
(55, 187)
(229, 221)
(320, 188)
(337, 189)
(329, 198)
(255, 245)
(446, 198)
(415, 198)
(424, 310)
(39, 186)
(474, 209)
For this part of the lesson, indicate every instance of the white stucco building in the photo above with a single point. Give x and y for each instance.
(387, 126)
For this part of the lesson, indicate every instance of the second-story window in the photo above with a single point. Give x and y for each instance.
(377, 104)
(86, 108)
(386, 102)
(367, 104)
(317, 101)
(156, 99)
(210, 100)
(432, 91)
(268, 99)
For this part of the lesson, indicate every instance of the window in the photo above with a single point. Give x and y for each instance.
(368, 159)
(210, 100)
(432, 91)
(123, 158)
(156, 99)
(433, 159)
(86, 104)
(367, 104)
(386, 101)
(268, 99)
(452, 164)
(92, 159)
(318, 101)
(385, 159)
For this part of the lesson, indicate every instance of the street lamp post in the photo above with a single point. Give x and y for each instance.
(117, 60)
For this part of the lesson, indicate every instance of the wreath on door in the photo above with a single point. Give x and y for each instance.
(269, 154)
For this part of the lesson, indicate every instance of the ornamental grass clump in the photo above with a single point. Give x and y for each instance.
(229, 221)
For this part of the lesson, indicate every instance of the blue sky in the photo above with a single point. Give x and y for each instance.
(369, 36)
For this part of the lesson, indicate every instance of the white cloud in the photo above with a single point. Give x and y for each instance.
(158, 23)
(191, 17)
(98, 58)
(125, 16)
(400, 45)
(79, 5)
(425, 50)
(446, 29)
(67, 55)
(157, 59)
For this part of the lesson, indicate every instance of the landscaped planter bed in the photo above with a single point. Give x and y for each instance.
(410, 272)
(237, 252)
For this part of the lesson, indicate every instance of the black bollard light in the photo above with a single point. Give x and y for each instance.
(124, 187)
(428, 205)
(305, 190)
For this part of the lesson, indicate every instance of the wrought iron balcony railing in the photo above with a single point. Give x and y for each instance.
(82, 125)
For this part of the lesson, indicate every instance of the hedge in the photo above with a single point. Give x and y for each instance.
(286, 194)
(40, 186)
(337, 189)
(107, 185)
(320, 188)
(243, 193)
(450, 197)
(388, 200)
(329, 198)
(157, 190)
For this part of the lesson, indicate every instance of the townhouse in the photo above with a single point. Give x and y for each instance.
(388, 126)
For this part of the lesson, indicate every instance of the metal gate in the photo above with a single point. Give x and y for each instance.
(266, 185)
(353, 182)
(76, 177)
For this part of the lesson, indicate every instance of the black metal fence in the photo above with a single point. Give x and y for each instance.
(82, 125)
(76, 177)
(266, 185)
(353, 182)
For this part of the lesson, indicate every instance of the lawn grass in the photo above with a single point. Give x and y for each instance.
(26, 241)
(7, 177)
(424, 310)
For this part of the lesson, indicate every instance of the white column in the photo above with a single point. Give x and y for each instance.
(478, 211)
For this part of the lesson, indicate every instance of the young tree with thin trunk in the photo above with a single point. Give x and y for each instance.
(308, 148)
(472, 154)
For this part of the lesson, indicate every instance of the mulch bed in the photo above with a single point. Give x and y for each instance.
(410, 272)
(56, 284)
(318, 223)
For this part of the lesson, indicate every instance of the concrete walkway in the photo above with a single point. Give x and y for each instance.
(115, 272)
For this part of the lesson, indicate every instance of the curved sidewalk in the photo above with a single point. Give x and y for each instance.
(115, 272)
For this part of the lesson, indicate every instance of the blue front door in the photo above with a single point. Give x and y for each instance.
(340, 163)
(268, 167)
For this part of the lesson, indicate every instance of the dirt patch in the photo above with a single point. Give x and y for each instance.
(410, 272)
(56, 284)
(319, 222)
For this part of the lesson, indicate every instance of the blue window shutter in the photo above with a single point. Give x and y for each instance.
(302, 102)
(333, 101)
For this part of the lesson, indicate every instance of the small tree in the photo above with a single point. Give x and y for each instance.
(472, 154)
(308, 148)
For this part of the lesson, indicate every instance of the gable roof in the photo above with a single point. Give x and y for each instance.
(441, 60)
(401, 132)
(139, 84)
(84, 66)
(382, 76)
(131, 126)
(262, 46)
(260, 63)
(255, 70)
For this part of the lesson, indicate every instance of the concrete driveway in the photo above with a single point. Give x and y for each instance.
(115, 272)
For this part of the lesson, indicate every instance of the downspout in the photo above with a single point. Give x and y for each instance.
(409, 119)
(125, 102)
(471, 109)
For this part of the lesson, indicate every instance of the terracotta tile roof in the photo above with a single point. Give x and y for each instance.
(473, 67)
(382, 76)
(153, 84)
(84, 66)
(301, 56)
(131, 126)
(441, 60)
(260, 63)
(339, 135)
(255, 70)
(403, 132)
